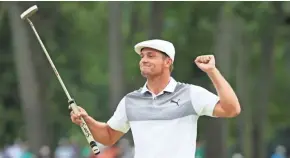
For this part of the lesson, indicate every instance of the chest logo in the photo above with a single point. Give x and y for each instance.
(175, 101)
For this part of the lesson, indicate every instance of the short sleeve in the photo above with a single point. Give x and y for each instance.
(119, 120)
(203, 101)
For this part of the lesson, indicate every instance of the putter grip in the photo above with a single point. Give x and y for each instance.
(85, 129)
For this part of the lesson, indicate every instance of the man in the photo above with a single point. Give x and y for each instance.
(163, 113)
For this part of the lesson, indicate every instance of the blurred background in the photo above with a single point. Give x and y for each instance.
(92, 44)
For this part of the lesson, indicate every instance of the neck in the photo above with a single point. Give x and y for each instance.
(157, 84)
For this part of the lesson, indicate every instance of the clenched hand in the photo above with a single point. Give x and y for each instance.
(205, 62)
(77, 118)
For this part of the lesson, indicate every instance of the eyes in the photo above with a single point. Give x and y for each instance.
(148, 55)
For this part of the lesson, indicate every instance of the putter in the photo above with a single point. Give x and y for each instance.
(72, 104)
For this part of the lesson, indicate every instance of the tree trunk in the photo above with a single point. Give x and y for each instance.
(265, 80)
(156, 19)
(116, 61)
(43, 70)
(32, 106)
(243, 91)
(216, 143)
(134, 22)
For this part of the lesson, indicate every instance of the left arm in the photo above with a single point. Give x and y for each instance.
(228, 105)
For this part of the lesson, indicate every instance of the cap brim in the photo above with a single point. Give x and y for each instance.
(138, 49)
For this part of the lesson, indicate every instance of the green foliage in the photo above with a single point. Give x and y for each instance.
(78, 44)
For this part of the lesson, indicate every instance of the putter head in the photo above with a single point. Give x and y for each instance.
(27, 13)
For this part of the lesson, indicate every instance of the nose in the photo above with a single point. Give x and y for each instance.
(144, 60)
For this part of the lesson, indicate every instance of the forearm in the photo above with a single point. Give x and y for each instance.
(228, 98)
(99, 131)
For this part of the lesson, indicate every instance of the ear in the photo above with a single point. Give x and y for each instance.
(168, 62)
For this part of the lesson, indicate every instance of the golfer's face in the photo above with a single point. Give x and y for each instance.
(152, 62)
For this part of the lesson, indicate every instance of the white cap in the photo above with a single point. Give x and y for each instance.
(161, 45)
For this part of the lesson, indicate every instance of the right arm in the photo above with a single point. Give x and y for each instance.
(102, 132)
(106, 133)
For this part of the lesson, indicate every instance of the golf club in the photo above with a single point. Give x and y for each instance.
(72, 104)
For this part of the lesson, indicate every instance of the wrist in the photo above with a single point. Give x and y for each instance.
(87, 119)
(212, 72)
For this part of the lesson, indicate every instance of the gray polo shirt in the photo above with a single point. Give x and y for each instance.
(164, 125)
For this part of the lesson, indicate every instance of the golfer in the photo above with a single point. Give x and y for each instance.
(163, 113)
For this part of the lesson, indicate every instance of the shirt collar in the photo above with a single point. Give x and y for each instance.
(169, 88)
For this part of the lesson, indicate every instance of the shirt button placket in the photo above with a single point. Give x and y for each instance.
(153, 100)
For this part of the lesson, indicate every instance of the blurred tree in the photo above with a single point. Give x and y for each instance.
(10, 115)
(217, 129)
(29, 86)
(76, 34)
(243, 45)
(116, 60)
(270, 22)
(134, 24)
(44, 72)
(156, 19)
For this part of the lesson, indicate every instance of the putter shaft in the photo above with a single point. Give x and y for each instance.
(71, 102)
(50, 61)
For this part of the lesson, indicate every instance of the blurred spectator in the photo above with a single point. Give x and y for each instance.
(126, 150)
(44, 152)
(1, 154)
(64, 149)
(26, 151)
(199, 152)
(85, 152)
(76, 148)
(237, 155)
(15, 150)
(108, 152)
(280, 152)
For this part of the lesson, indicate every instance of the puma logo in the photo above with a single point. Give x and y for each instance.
(174, 101)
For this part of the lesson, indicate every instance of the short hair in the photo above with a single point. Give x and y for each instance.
(165, 55)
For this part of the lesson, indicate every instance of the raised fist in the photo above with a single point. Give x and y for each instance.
(205, 62)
